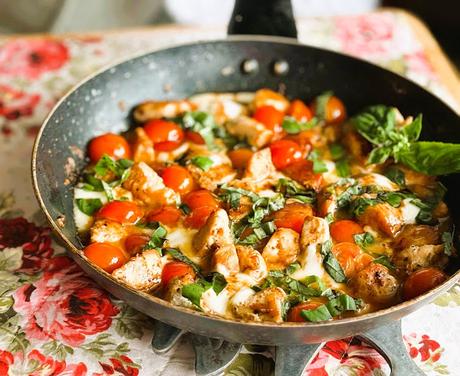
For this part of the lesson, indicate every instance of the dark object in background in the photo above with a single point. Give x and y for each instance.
(443, 18)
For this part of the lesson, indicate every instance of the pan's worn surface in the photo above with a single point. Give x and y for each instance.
(102, 103)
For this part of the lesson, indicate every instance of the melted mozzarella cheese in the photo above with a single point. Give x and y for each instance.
(182, 238)
(82, 221)
(242, 296)
(409, 211)
(215, 303)
(311, 262)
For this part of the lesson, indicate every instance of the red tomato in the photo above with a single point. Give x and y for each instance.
(302, 171)
(167, 215)
(194, 137)
(178, 178)
(135, 242)
(343, 230)
(202, 203)
(270, 117)
(299, 111)
(293, 216)
(345, 253)
(421, 281)
(113, 145)
(120, 211)
(240, 157)
(105, 255)
(361, 261)
(294, 314)
(165, 135)
(335, 111)
(284, 152)
(175, 269)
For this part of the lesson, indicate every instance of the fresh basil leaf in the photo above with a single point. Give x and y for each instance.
(379, 155)
(448, 241)
(94, 182)
(321, 104)
(385, 261)
(364, 239)
(88, 206)
(343, 168)
(375, 123)
(292, 268)
(178, 255)
(319, 166)
(337, 151)
(292, 126)
(331, 264)
(157, 239)
(396, 175)
(108, 190)
(218, 283)
(232, 195)
(117, 167)
(204, 163)
(413, 130)
(259, 233)
(316, 315)
(202, 123)
(291, 189)
(194, 291)
(340, 304)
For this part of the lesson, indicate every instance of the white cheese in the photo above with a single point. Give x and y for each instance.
(182, 239)
(409, 211)
(213, 303)
(242, 296)
(82, 221)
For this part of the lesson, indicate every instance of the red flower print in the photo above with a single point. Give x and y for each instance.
(423, 347)
(63, 305)
(35, 242)
(47, 365)
(15, 103)
(6, 359)
(369, 35)
(30, 58)
(120, 365)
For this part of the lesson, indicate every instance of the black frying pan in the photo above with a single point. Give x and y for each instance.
(93, 108)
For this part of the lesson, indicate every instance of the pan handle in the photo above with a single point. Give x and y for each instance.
(263, 17)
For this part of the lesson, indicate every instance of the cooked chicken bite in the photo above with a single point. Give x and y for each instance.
(415, 257)
(222, 106)
(104, 230)
(416, 235)
(142, 272)
(246, 128)
(225, 260)
(382, 217)
(267, 97)
(377, 180)
(161, 109)
(251, 263)
(143, 147)
(260, 168)
(173, 291)
(282, 249)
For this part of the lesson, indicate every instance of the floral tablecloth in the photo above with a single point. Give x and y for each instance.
(56, 321)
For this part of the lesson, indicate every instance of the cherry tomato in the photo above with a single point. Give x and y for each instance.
(299, 111)
(293, 216)
(167, 215)
(113, 145)
(421, 281)
(240, 157)
(203, 204)
(285, 152)
(343, 230)
(194, 137)
(178, 178)
(302, 171)
(270, 117)
(295, 315)
(335, 110)
(105, 255)
(361, 261)
(173, 270)
(345, 254)
(135, 242)
(120, 211)
(165, 135)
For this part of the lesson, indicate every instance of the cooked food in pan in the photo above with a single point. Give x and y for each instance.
(251, 206)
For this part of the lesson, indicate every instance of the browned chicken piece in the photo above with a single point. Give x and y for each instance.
(375, 284)
(422, 185)
(377, 180)
(302, 172)
(440, 211)
(260, 168)
(142, 272)
(173, 292)
(104, 230)
(223, 107)
(266, 305)
(267, 97)
(282, 249)
(246, 128)
(168, 156)
(143, 147)
(148, 187)
(212, 177)
(383, 217)
(243, 209)
(358, 147)
(214, 243)
(251, 263)
(161, 109)
(415, 257)
(416, 235)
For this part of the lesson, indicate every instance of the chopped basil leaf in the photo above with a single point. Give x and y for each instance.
(319, 166)
(341, 304)
(157, 239)
(300, 290)
(218, 282)
(291, 189)
(194, 291)
(448, 240)
(107, 164)
(88, 206)
(94, 182)
(343, 168)
(292, 126)
(259, 233)
(202, 123)
(205, 163)
(364, 239)
(185, 208)
(337, 151)
(331, 264)
(318, 314)
(396, 175)
(385, 261)
(178, 255)
(321, 104)
(232, 195)
(108, 190)
(292, 268)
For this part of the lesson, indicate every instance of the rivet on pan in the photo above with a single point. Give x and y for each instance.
(250, 66)
(280, 67)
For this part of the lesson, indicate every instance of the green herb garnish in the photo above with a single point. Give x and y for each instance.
(157, 239)
(331, 264)
(364, 239)
(88, 206)
(292, 126)
(291, 189)
(204, 163)
(178, 255)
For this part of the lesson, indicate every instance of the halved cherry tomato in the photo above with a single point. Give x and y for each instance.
(240, 157)
(135, 242)
(165, 135)
(167, 215)
(285, 152)
(361, 261)
(345, 254)
(178, 178)
(295, 315)
(293, 216)
(302, 172)
(113, 145)
(299, 111)
(173, 270)
(270, 117)
(105, 255)
(343, 230)
(202, 203)
(335, 111)
(421, 281)
(194, 137)
(120, 211)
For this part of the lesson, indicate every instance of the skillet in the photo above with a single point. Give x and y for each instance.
(240, 63)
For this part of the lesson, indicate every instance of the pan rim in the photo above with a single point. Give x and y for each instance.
(423, 299)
